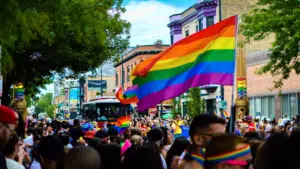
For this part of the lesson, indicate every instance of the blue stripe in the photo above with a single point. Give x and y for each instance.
(201, 68)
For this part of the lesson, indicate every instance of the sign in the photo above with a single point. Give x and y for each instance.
(74, 97)
(97, 84)
(1, 84)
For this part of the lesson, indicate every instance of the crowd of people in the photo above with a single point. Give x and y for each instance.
(149, 143)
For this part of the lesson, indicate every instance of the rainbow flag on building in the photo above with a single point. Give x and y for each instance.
(130, 95)
(206, 57)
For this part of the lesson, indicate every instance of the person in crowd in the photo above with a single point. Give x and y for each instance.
(75, 132)
(14, 150)
(228, 151)
(51, 151)
(250, 123)
(176, 126)
(82, 158)
(111, 156)
(168, 139)
(102, 135)
(177, 148)
(156, 136)
(147, 157)
(7, 126)
(254, 135)
(202, 128)
(65, 140)
(185, 129)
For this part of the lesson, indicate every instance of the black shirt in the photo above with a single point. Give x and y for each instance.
(2, 161)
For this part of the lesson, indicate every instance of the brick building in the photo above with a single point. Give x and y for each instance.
(262, 101)
(131, 59)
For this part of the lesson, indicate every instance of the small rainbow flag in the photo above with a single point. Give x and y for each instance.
(204, 58)
(128, 97)
(224, 114)
(122, 124)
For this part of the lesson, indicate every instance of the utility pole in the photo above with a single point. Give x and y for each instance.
(101, 88)
(220, 19)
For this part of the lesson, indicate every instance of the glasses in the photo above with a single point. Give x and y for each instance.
(8, 127)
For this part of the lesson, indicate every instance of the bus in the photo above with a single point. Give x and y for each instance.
(105, 109)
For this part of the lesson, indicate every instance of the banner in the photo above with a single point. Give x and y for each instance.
(97, 84)
(74, 97)
(19, 91)
(241, 87)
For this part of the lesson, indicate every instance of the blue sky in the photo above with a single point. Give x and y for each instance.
(149, 20)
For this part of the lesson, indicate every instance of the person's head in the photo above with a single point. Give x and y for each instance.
(102, 135)
(113, 134)
(94, 142)
(8, 120)
(136, 131)
(148, 157)
(178, 146)
(203, 127)
(228, 151)
(111, 156)
(50, 149)
(136, 140)
(82, 157)
(254, 135)
(11, 149)
(168, 137)
(248, 119)
(76, 122)
(64, 138)
(178, 117)
(155, 135)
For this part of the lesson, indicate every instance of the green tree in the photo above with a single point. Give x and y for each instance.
(43, 104)
(282, 20)
(68, 38)
(50, 111)
(195, 102)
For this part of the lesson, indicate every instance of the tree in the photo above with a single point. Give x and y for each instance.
(44, 104)
(50, 111)
(282, 19)
(46, 37)
(195, 102)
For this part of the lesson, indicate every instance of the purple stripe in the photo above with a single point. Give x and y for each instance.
(135, 87)
(155, 98)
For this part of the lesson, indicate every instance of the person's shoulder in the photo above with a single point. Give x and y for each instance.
(192, 165)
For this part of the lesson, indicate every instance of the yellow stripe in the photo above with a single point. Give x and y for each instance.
(220, 43)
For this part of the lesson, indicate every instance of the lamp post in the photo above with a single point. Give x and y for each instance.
(81, 95)
(101, 88)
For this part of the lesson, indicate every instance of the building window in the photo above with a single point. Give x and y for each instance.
(187, 33)
(200, 24)
(262, 106)
(289, 105)
(128, 74)
(197, 28)
(172, 39)
(117, 79)
(123, 76)
(209, 21)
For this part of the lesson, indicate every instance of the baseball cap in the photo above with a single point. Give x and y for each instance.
(7, 115)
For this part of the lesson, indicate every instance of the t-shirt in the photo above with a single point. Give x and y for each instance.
(177, 128)
(185, 131)
(163, 161)
(12, 164)
(35, 165)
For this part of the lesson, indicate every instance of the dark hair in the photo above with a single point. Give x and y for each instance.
(136, 131)
(82, 157)
(113, 134)
(9, 148)
(20, 130)
(148, 157)
(94, 142)
(254, 135)
(76, 122)
(178, 146)
(65, 125)
(203, 121)
(165, 132)
(64, 138)
(51, 148)
(111, 156)
(155, 134)
(102, 135)
(130, 157)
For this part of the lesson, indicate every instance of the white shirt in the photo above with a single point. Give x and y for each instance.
(12, 164)
(35, 165)
(163, 162)
(28, 141)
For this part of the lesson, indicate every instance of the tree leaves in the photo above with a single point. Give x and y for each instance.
(282, 19)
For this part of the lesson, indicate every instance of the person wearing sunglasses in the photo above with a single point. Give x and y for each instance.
(228, 151)
(7, 127)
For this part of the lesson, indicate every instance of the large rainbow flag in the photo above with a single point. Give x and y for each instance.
(206, 57)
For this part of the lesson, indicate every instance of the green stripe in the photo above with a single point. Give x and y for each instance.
(224, 55)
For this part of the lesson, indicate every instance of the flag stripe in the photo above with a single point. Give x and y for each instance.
(209, 56)
(177, 89)
(202, 68)
(186, 46)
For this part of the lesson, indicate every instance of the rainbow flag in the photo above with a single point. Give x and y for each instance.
(128, 98)
(206, 57)
(122, 124)
(224, 114)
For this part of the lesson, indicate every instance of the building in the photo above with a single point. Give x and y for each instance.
(263, 102)
(92, 87)
(132, 58)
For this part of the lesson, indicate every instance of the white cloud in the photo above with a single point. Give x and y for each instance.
(149, 21)
(49, 89)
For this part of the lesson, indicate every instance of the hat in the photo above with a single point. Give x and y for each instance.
(7, 115)
(89, 134)
(87, 126)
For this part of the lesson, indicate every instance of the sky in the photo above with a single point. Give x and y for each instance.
(149, 20)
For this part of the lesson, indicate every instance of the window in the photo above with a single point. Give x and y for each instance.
(172, 39)
(197, 28)
(289, 105)
(128, 74)
(117, 79)
(123, 76)
(187, 33)
(200, 24)
(209, 21)
(262, 106)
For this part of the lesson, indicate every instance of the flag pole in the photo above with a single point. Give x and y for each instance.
(233, 111)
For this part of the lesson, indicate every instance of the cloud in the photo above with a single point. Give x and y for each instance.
(149, 21)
